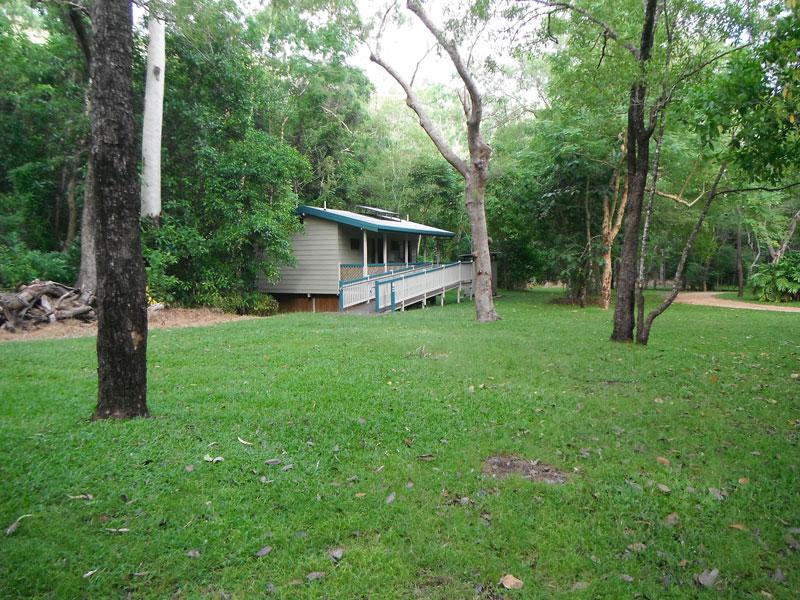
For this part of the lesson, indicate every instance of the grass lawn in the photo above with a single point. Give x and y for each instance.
(352, 402)
(749, 296)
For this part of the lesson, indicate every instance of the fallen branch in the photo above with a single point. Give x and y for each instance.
(44, 302)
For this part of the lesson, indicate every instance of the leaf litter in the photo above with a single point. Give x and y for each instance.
(503, 466)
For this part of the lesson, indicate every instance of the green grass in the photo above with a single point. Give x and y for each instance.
(352, 402)
(749, 296)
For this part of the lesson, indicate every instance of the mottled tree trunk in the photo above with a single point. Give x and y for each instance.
(87, 273)
(739, 265)
(643, 333)
(121, 300)
(475, 191)
(72, 210)
(638, 163)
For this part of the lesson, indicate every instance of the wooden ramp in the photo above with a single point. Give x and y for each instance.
(397, 291)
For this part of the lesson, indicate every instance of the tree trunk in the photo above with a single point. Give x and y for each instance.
(643, 334)
(638, 163)
(638, 160)
(612, 223)
(121, 299)
(72, 211)
(739, 266)
(484, 303)
(153, 117)
(87, 273)
(777, 255)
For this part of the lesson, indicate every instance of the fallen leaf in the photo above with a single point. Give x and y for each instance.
(409, 484)
(738, 526)
(672, 519)
(683, 563)
(663, 488)
(90, 573)
(245, 442)
(212, 459)
(579, 585)
(336, 554)
(360, 494)
(141, 574)
(117, 529)
(778, 576)
(510, 582)
(301, 534)
(13, 527)
(315, 575)
(637, 547)
(743, 481)
(272, 461)
(707, 578)
(471, 389)
(264, 551)
(658, 400)
(378, 469)
(189, 468)
(81, 497)
(193, 553)
(627, 578)
(793, 543)
(425, 457)
(718, 494)
(662, 461)
(288, 467)
(390, 498)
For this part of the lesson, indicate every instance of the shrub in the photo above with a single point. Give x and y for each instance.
(778, 282)
(19, 264)
(251, 303)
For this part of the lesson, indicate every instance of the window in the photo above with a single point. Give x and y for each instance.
(355, 244)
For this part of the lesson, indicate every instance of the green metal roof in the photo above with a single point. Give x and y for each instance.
(372, 223)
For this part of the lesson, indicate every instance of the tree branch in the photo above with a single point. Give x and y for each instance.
(476, 108)
(610, 31)
(759, 189)
(666, 96)
(424, 119)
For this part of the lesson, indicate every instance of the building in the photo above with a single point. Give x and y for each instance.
(344, 260)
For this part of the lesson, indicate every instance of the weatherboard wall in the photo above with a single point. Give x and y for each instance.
(316, 268)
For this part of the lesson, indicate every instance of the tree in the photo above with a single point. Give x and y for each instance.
(475, 171)
(153, 117)
(121, 298)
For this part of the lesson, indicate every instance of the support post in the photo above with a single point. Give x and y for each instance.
(385, 248)
(405, 246)
(364, 269)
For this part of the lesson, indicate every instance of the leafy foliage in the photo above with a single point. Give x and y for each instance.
(780, 281)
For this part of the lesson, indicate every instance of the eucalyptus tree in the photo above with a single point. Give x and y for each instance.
(475, 170)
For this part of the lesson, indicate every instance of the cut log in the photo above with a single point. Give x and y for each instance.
(44, 302)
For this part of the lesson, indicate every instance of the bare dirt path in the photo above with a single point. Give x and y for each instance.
(710, 299)
(164, 319)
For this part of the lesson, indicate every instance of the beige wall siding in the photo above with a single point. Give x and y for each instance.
(316, 269)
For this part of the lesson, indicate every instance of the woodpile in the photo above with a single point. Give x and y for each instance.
(43, 302)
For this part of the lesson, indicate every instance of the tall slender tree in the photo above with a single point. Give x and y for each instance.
(475, 171)
(121, 298)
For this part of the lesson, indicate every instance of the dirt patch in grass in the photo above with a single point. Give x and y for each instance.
(502, 466)
(164, 319)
